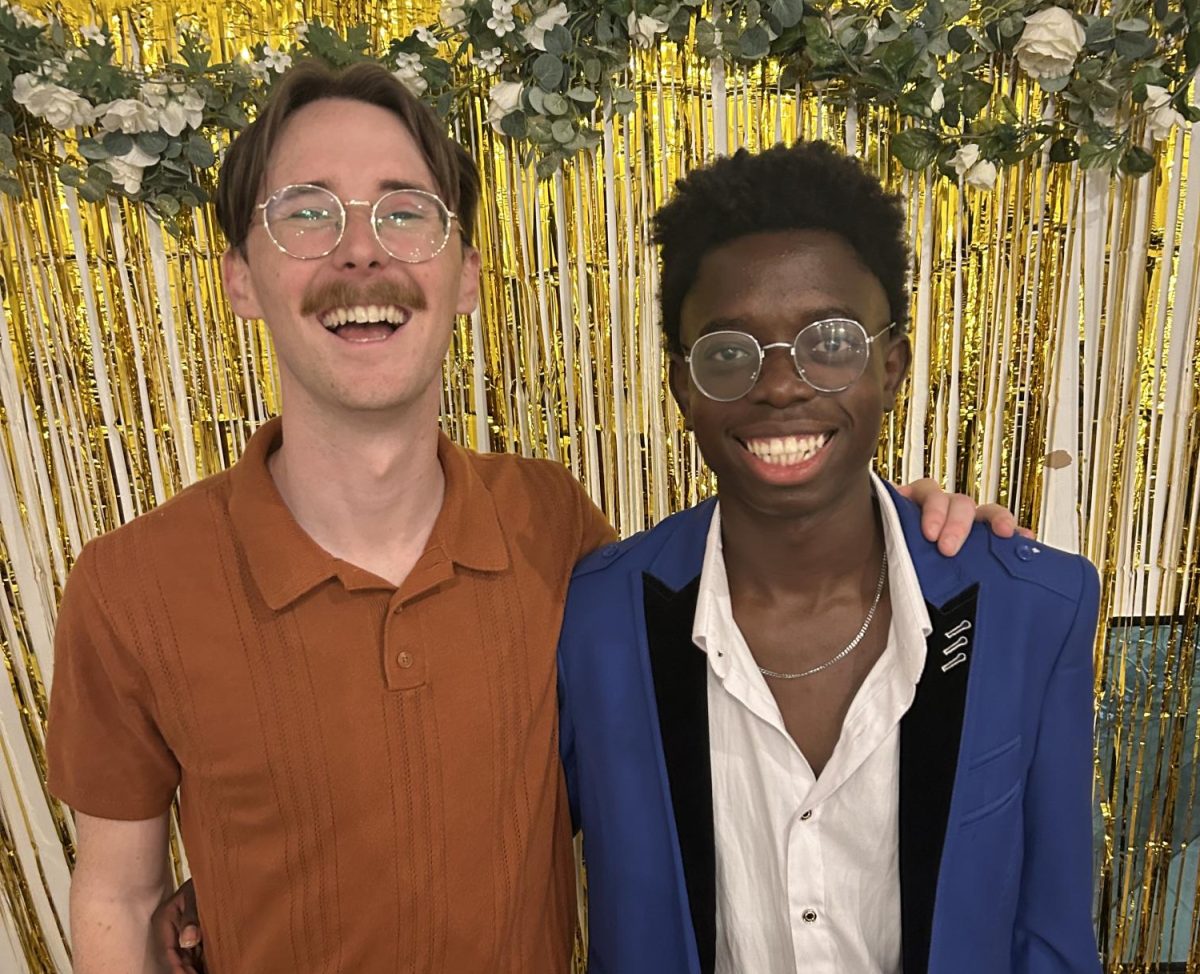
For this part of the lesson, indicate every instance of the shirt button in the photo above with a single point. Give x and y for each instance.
(809, 916)
(405, 660)
(806, 815)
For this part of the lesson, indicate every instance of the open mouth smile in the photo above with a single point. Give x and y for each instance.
(787, 451)
(364, 322)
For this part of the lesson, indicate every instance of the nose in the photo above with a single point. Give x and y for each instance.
(779, 384)
(359, 246)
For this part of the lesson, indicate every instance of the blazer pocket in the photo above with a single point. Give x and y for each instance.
(995, 754)
(993, 807)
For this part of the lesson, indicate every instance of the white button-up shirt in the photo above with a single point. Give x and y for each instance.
(807, 868)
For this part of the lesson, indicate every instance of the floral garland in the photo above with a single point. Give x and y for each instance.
(553, 69)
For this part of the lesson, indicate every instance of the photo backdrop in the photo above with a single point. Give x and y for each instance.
(1055, 312)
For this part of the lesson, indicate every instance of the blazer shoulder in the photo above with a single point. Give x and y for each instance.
(636, 552)
(1029, 560)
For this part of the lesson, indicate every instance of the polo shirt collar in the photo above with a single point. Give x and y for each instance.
(286, 563)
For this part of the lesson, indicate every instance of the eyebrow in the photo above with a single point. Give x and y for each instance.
(816, 314)
(386, 185)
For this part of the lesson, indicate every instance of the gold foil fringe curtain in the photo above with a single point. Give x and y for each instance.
(1055, 335)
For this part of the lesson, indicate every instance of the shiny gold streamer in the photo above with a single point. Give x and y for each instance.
(1055, 336)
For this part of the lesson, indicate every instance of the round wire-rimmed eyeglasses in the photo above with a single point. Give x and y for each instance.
(307, 222)
(830, 355)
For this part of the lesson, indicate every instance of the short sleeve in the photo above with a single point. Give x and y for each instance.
(105, 749)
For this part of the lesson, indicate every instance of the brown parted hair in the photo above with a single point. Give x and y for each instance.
(245, 164)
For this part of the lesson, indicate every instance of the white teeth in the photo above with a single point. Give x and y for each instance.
(364, 314)
(787, 450)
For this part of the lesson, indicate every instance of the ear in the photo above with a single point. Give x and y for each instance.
(239, 284)
(681, 386)
(895, 368)
(468, 281)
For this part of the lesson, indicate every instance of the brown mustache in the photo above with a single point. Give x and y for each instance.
(342, 294)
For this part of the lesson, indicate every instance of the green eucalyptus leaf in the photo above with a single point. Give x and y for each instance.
(563, 131)
(1011, 25)
(1135, 46)
(1191, 50)
(559, 40)
(548, 165)
(9, 186)
(200, 153)
(537, 99)
(755, 43)
(91, 149)
(915, 148)
(819, 44)
(581, 94)
(8, 124)
(1054, 84)
(975, 96)
(91, 192)
(914, 103)
(786, 12)
(69, 175)
(548, 71)
(117, 143)
(1136, 161)
(166, 206)
(1191, 113)
(1064, 149)
(155, 143)
(513, 124)
(1162, 9)
(1134, 23)
(960, 39)
(1099, 32)
(592, 69)
(555, 104)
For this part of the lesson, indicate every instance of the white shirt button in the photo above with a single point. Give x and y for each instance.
(809, 916)
(807, 814)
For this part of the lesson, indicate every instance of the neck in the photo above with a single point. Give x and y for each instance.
(368, 491)
(809, 556)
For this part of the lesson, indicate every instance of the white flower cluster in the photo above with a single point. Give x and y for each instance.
(60, 107)
(408, 73)
(272, 60)
(489, 60)
(501, 21)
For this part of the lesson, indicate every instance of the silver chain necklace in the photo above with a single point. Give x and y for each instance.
(858, 638)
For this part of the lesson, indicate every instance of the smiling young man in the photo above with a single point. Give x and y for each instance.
(795, 737)
(341, 651)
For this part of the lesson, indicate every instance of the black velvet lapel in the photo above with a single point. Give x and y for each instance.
(930, 734)
(681, 691)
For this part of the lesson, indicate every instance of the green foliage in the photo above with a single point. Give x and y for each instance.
(935, 61)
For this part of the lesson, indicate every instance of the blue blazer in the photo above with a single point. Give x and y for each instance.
(995, 757)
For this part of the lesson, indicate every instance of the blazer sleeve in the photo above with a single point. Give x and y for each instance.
(1054, 931)
(566, 728)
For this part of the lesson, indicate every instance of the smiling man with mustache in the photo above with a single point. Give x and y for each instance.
(340, 651)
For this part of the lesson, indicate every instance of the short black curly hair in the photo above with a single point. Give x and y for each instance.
(806, 186)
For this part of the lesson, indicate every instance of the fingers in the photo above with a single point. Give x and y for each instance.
(1000, 519)
(189, 936)
(183, 962)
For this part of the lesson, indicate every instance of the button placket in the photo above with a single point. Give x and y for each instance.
(403, 660)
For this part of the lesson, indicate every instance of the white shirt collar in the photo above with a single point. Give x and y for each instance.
(910, 617)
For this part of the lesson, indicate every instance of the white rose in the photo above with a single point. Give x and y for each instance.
(503, 100)
(1161, 116)
(127, 170)
(61, 107)
(965, 158)
(982, 175)
(642, 30)
(937, 101)
(181, 113)
(127, 115)
(542, 24)
(1049, 44)
(453, 13)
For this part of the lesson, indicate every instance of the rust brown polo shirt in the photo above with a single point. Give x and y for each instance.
(369, 776)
